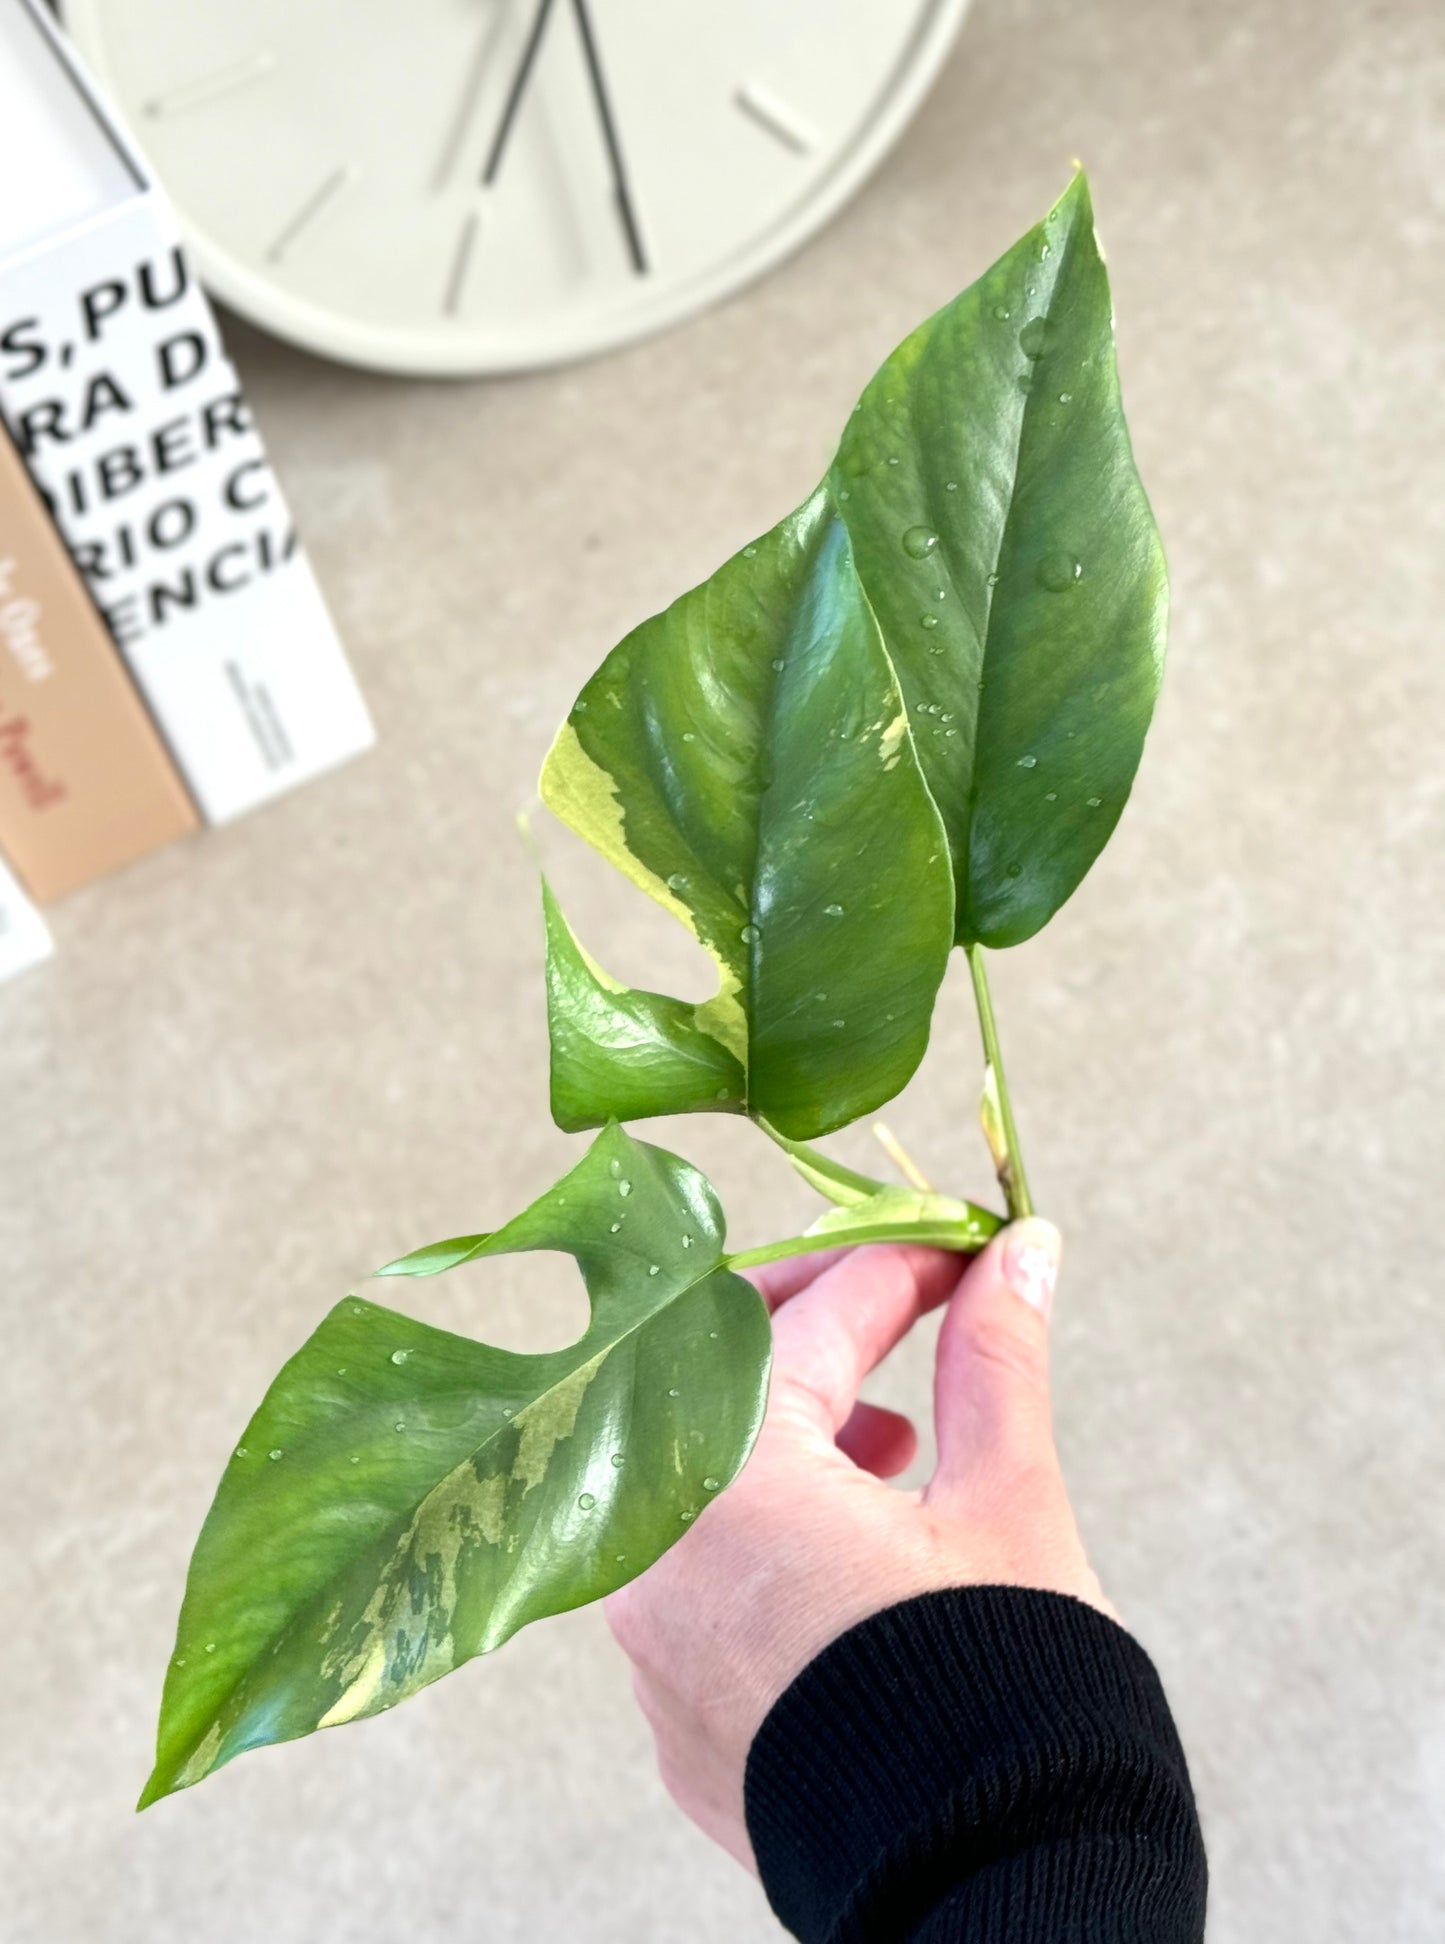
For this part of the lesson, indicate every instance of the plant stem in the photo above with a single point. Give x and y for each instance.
(835, 1182)
(965, 1236)
(998, 1114)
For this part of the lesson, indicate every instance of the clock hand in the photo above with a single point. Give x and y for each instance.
(514, 95)
(473, 87)
(626, 213)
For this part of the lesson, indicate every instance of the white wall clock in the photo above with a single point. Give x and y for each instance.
(481, 185)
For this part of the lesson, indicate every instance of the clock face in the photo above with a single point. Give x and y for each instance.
(474, 185)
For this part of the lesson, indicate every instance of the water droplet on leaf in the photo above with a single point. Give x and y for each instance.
(677, 882)
(833, 911)
(928, 620)
(750, 934)
(919, 542)
(586, 1502)
(712, 1484)
(1034, 337)
(400, 1356)
(277, 1453)
(1058, 572)
(1094, 802)
(624, 1187)
(1027, 762)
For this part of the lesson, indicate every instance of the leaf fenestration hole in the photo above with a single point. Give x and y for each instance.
(528, 1303)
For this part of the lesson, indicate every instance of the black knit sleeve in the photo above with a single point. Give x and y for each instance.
(990, 1764)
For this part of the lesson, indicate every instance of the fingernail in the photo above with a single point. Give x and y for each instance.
(1031, 1262)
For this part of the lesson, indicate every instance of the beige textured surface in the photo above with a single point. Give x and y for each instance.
(275, 1056)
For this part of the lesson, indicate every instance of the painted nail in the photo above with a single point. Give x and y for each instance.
(1031, 1262)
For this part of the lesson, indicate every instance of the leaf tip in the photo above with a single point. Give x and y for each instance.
(1077, 197)
(434, 1257)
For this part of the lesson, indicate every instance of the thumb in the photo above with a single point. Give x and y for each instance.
(991, 1382)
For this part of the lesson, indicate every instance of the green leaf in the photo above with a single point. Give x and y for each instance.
(746, 759)
(405, 1499)
(981, 547)
(622, 1054)
(1005, 544)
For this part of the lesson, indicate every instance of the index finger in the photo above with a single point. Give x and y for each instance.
(776, 1282)
(831, 1334)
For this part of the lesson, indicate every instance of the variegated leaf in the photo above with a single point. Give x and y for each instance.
(405, 1499)
(959, 636)
(746, 759)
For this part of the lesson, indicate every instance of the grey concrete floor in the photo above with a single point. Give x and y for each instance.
(273, 1057)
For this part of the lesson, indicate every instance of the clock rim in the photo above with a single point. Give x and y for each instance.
(396, 353)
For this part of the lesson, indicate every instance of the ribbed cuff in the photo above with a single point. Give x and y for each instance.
(989, 1761)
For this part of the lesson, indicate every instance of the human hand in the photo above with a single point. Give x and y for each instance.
(810, 1540)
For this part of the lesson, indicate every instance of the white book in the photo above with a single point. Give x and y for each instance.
(118, 392)
(24, 939)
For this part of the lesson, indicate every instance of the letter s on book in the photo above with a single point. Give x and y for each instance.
(15, 344)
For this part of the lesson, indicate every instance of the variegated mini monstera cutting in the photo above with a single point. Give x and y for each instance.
(905, 718)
